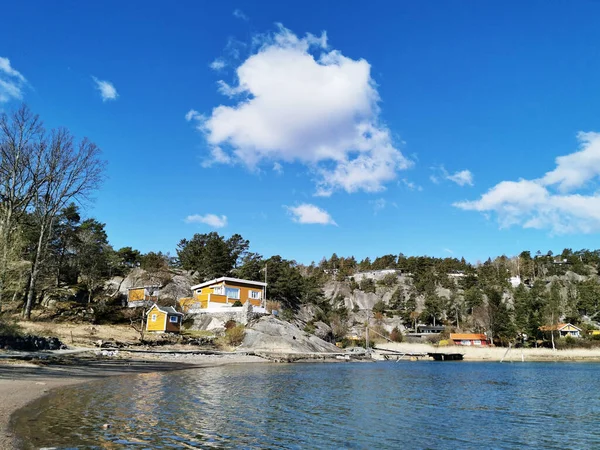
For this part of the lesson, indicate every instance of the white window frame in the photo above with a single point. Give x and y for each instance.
(173, 321)
(255, 295)
(237, 293)
(219, 290)
(153, 318)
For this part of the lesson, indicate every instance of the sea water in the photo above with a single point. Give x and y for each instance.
(384, 405)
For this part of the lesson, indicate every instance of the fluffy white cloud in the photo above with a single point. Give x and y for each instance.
(11, 82)
(548, 202)
(307, 213)
(300, 101)
(461, 178)
(106, 88)
(211, 220)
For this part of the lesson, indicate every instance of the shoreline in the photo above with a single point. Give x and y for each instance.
(497, 354)
(23, 382)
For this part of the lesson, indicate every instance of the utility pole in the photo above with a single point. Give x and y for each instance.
(265, 289)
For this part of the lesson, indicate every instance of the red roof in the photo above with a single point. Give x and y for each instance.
(468, 337)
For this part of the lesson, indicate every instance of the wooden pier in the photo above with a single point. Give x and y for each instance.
(395, 355)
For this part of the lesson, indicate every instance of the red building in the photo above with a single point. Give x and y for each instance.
(474, 339)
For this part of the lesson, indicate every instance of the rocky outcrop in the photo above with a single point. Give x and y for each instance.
(30, 343)
(175, 284)
(272, 335)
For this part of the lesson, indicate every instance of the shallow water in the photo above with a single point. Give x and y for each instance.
(346, 405)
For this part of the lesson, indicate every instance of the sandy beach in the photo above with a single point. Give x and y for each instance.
(22, 383)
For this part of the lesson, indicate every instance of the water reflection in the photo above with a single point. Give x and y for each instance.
(383, 405)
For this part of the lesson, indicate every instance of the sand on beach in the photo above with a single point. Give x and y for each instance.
(22, 383)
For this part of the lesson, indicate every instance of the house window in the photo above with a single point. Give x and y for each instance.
(173, 319)
(153, 318)
(233, 293)
(255, 295)
(219, 290)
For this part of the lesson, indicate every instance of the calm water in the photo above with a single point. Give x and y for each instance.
(352, 405)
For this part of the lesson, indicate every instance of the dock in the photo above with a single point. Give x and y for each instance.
(395, 355)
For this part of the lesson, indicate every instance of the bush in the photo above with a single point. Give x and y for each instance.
(396, 335)
(237, 303)
(379, 307)
(229, 324)
(9, 327)
(353, 284)
(367, 285)
(388, 280)
(309, 328)
(235, 335)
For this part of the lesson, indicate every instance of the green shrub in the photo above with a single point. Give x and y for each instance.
(309, 328)
(388, 280)
(237, 303)
(367, 285)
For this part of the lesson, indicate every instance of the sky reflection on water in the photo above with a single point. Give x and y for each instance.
(348, 405)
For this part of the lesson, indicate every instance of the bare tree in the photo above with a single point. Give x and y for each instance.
(70, 172)
(21, 142)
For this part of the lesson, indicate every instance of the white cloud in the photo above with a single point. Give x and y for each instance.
(410, 185)
(278, 168)
(218, 64)
(548, 202)
(239, 14)
(461, 178)
(11, 82)
(309, 214)
(211, 220)
(192, 114)
(300, 101)
(217, 156)
(107, 89)
(447, 250)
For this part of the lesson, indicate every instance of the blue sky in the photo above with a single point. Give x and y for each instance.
(362, 129)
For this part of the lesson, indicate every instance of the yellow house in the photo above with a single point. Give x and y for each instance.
(163, 319)
(142, 296)
(223, 293)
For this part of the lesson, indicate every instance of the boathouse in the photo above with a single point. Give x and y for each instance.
(474, 339)
(163, 319)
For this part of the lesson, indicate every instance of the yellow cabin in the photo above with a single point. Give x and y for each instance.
(163, 319)
(223, 293)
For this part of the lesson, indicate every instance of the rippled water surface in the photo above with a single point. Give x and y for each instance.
(346, 405)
